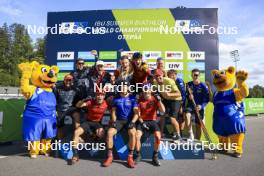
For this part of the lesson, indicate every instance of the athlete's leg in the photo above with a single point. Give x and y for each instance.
(138, 140)
(100, 133)
(76, 118)
(109, 143)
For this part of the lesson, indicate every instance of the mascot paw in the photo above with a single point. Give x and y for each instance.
(241, 76)
(25, 67)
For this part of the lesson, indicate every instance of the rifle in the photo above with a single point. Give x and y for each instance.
(197, 115)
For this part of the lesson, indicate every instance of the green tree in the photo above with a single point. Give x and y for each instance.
(5, 47)
(15, 47)
(256, 92)
(40, 49)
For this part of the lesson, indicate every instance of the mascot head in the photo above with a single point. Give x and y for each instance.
(44, 76)
(224, 79)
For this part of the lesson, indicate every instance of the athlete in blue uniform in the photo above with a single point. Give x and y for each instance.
(124, 115)
(201, 97)
(39, 117)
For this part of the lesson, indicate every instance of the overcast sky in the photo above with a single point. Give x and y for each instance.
(247, 16)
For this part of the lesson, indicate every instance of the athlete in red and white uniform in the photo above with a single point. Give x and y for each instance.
(96, 109)
(148, 107)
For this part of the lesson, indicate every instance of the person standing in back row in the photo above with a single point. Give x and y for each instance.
(201, 97)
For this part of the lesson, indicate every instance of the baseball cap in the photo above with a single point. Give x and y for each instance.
(99, 62)
(158, 72)
(100, 92)
(79, 60)
(68, 77)
(160, 58)
(137, 55)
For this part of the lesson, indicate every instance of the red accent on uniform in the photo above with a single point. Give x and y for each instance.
(158, 72)
(148, 108)
(140, 75)
(100, 77)
(96, 111)
(117, 73)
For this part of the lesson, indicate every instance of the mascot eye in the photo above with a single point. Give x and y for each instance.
(222, 72)
(43, 70)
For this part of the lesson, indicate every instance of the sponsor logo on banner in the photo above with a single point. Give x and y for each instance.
(86, 55)
(108, 55)
(152, 65)
(65, 65)
(193, 65)
(65, 55)
(89, 64)
(73, 27)
(196, 55)
(61, 75)
(128, 53)
(174, 55)
(151, 54)
(188, 25)
(174, 65)
(110, 65)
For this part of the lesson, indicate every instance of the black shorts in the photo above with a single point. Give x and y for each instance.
(190, 109)
(180, 117)
(121, 124)
(151, 124)
(172, 107)
(92, 126)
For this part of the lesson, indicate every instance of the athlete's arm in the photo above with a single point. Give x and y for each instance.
(135, 116)
(161, 107)
(175, 94)
(206, 96)
(113, 114)
(81, 104)
(140, 119)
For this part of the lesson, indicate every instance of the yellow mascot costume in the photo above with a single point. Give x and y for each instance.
(228, 117)
(39, 117)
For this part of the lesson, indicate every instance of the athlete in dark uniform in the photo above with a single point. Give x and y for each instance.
(67, 96)
(81, 77)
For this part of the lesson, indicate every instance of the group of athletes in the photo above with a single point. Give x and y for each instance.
(136, 112)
